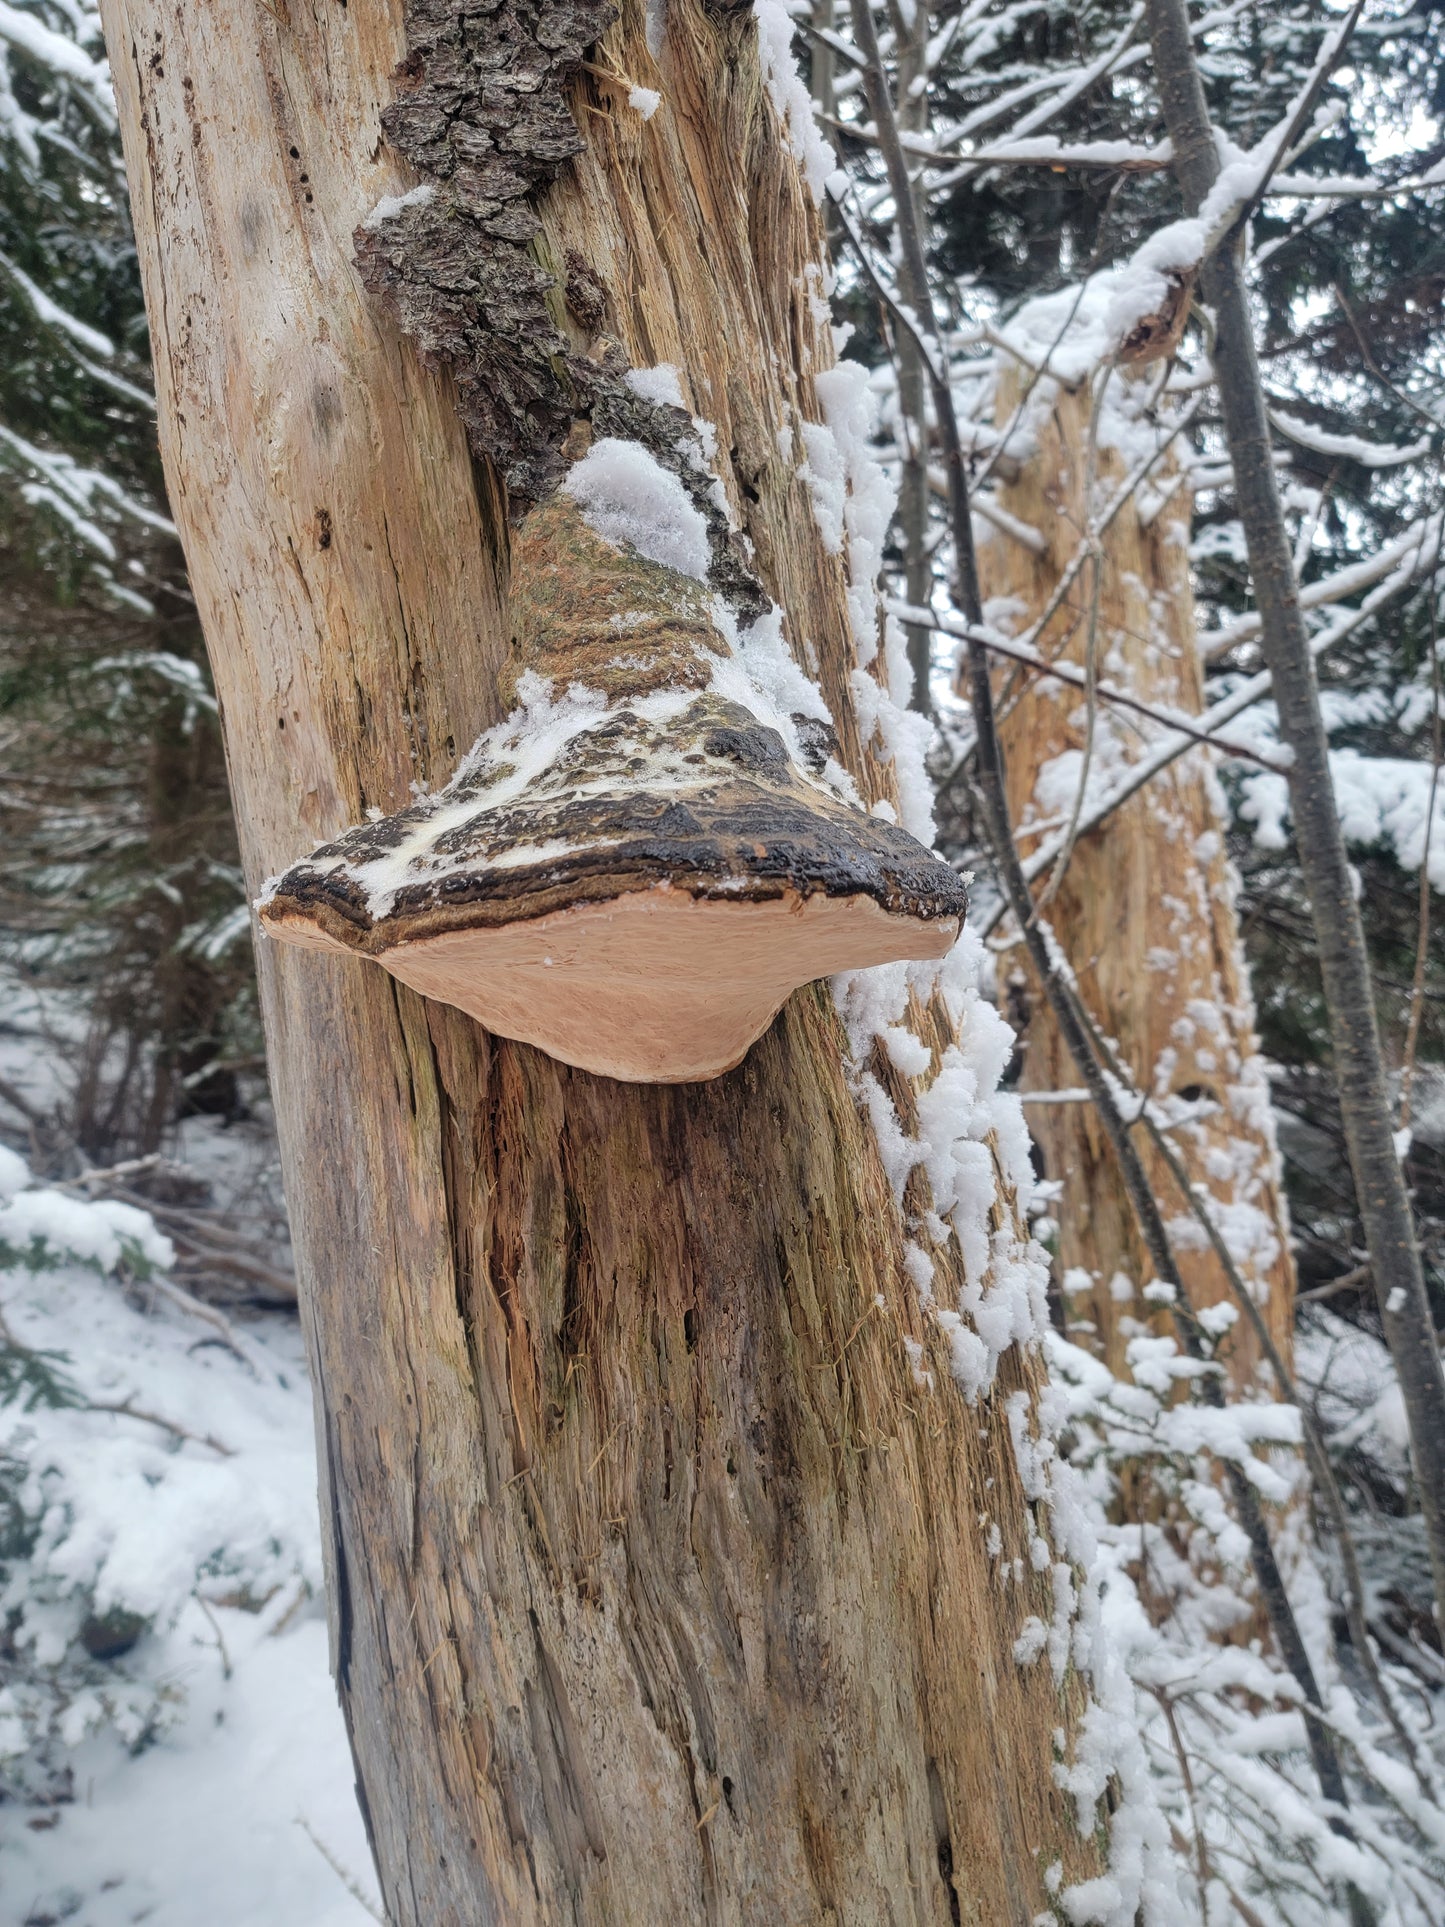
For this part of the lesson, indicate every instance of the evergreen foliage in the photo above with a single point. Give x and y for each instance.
(121, 880)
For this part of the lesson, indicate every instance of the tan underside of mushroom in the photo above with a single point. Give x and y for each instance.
(655, 987)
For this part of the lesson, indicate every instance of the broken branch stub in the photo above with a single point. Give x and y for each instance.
(635, 869)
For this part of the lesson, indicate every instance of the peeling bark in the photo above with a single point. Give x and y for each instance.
(483, 114)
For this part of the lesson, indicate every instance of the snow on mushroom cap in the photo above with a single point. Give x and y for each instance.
(627, 497)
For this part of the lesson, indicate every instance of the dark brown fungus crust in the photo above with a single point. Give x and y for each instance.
(642, 908)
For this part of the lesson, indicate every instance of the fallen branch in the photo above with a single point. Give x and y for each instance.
(125, 1408)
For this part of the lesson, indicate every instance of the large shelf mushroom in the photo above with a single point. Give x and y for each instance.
(633, 874)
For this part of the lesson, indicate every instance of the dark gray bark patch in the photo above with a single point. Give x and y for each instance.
(481, 113)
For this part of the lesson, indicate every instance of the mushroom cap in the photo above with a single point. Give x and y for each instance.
(637, 897)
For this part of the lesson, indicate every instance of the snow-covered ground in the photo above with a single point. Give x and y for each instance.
(229, 1819)
(171, 1750)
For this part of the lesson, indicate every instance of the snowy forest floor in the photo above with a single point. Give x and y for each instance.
(183, 1759)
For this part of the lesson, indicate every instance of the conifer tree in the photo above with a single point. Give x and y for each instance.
(121, 884)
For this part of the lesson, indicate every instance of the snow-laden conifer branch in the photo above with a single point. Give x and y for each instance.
(63, 55)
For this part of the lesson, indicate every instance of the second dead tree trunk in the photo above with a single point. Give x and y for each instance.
(1144, 906)
(663, 1586)
(1364, 1096)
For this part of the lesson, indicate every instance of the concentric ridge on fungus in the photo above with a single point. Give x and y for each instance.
(706, 804)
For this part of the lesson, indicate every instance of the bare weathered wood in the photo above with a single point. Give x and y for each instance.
(1145, 905)
(660, 1587)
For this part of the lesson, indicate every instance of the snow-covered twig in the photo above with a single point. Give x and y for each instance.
(127, 1408)
(1068, 672)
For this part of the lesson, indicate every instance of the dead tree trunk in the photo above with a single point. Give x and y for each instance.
(1365, 1107)
(661, 1586)
(1144, 905)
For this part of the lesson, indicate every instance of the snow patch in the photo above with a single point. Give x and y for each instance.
(390, 205)
(662, 385)
(790, 98)
(628, 498)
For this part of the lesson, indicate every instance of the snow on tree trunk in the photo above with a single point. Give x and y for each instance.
(666, 1583)
(1145, 907)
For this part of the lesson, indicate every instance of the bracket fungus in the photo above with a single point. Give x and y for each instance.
(633, 874)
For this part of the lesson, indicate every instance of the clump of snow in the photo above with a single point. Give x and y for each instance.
(849, 415)
(628, 498)
(790, 98)
(854, 499)
(965, 1123)
(390, 205)
(14, 1173)
(42, 1228)
(644, 101)
(826, 480)
(1353, 447)
(63, 52)
(661, 385)
(1067, 335)
(1384, 802)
